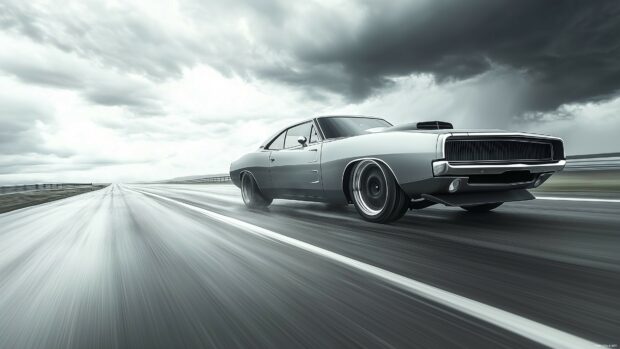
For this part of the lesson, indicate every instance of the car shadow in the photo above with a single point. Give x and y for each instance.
(447, 220)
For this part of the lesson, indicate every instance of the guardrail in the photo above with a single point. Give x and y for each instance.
(6, 189)
(611, 163)
(213, 179)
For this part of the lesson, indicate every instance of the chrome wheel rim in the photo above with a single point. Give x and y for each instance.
(370, 188)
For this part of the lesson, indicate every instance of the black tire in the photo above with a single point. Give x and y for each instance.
(375, 193)
(482, 208)
(401, 208)
(251, 194)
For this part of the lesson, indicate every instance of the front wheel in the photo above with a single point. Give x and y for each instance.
(482, 208)
(375, 193)
(251, 194)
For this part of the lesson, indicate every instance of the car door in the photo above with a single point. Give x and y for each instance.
(295, 169)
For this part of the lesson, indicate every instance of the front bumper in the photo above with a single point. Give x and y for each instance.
(473, 178)
(444, 168)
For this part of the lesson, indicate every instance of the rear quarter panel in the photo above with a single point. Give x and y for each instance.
(257, 163)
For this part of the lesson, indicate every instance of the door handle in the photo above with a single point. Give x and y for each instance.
(272, 159)
(313, 149)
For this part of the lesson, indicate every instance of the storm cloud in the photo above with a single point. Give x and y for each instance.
(567, 49)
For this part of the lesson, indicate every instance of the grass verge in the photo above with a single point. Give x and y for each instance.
(14, 201)
(607, 181)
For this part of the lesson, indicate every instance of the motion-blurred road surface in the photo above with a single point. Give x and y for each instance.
(181, 266)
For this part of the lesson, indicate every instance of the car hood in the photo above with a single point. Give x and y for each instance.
(413, 128)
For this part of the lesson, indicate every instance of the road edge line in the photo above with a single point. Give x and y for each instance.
(560, 198)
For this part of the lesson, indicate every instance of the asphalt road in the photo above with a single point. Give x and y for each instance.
(174, 266)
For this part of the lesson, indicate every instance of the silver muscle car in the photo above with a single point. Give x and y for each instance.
(385, 170)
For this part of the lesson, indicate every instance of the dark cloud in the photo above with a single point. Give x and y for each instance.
(569, 49)
(317, 80)
(122, 97)
(136, 96)
(40, 74)
(93, 84)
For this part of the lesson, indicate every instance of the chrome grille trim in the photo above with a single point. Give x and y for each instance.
(497, 150)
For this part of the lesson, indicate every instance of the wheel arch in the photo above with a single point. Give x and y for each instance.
(243, 172)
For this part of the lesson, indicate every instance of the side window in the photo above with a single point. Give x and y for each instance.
(295, 132)
(314, 137)
(278, 143)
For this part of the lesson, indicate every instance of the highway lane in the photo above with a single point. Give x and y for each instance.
(119, 267)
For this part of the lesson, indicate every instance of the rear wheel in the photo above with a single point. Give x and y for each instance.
(251, 194)
(375, 192)
(482, 208)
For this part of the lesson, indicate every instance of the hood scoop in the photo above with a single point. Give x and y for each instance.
(424, 125)
(434, 125)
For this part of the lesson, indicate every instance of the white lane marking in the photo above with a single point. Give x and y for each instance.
(559, 198)
(514, 323)
(217, 196)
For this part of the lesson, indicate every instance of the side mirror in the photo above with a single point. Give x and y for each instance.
(302, 140)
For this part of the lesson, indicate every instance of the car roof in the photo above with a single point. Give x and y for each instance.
(264, 144)
(348, 116)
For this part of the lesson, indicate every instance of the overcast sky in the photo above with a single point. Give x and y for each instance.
(144, 90)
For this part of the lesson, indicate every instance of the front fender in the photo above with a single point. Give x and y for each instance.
(408, 154)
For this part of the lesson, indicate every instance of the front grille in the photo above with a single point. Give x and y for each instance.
(498, 150)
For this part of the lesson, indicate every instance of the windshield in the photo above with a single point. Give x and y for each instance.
(336, 127)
